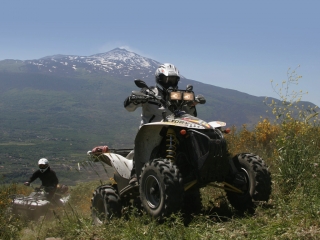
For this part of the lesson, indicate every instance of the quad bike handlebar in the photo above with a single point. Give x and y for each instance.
(175, 98)
(61, 189)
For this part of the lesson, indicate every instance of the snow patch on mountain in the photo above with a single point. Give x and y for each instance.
(114, 62)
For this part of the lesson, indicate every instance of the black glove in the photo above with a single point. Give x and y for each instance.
(137, 99)
(200, 99)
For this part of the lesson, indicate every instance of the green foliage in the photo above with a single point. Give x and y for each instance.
(298, 142)
(81, 195)
(10, 226)
(298, 154)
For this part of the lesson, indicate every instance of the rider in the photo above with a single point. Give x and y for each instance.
(47, 176)
(166, 76)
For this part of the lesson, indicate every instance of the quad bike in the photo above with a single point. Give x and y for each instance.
(173, 159)
(35, 205)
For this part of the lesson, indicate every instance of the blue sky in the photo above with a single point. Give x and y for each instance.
(240, 45)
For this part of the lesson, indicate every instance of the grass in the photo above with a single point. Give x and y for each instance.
(293, 211)
(279, 220)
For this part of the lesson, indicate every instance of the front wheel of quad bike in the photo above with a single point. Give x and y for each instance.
(253, 179)
(105, 204)
(161, 188)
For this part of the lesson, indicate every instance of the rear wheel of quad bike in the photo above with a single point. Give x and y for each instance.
(253, 178)
(105, 204)
(161, 188)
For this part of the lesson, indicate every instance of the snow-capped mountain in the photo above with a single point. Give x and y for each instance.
(115, 62)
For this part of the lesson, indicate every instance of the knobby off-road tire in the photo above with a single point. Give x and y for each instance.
(105, 204)
(257, 185)
(161, 188)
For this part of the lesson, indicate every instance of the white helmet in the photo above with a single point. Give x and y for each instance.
(43, 164)
(167, 75)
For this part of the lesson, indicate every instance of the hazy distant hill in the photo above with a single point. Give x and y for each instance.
(114, 72)
(61, 106)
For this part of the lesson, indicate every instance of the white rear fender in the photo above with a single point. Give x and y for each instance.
(122, 165)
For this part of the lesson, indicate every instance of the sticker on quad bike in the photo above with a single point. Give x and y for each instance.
(189, 123)
(198, 122)
(177, 122)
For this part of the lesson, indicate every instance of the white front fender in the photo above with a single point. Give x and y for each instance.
(217, 124)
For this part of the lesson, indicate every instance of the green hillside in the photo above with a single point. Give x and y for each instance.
(62, 117)
(59, 118)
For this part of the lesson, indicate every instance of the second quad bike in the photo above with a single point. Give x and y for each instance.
(37, 204)
(173, 159)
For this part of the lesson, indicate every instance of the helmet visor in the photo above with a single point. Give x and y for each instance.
(170, 81)
(43, 166)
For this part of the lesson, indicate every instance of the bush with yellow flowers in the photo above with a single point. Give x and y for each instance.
(296, 154)
(290, 145)
(259, 140)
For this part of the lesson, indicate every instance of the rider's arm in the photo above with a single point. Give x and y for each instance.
(129, 105)
(132, 104)
(55, 180)
(34, 176)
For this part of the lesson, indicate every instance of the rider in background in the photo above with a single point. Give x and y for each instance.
(47, 176)
(166, 77)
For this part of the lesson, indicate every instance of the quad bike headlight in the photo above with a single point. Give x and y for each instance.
(188, 96)
(175, 95)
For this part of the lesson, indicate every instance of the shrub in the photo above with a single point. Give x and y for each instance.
(10, 226)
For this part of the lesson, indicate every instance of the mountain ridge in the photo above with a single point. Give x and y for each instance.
(115, 62)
